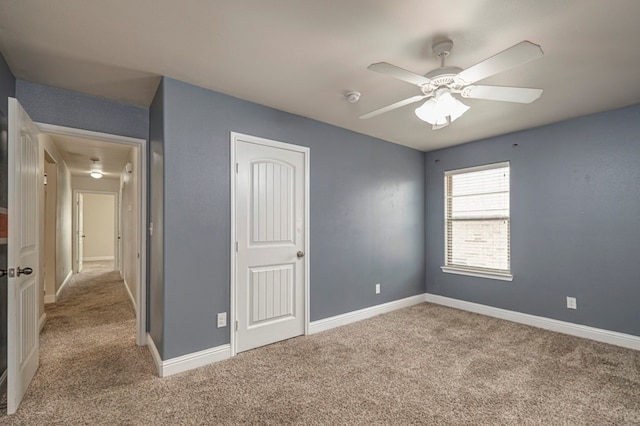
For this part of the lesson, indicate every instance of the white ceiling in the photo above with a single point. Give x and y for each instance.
(301, 56)
(78, 152)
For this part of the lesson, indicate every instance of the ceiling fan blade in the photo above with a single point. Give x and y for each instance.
(522, 95)
(399, 73)
(519, 54)
(393, 106)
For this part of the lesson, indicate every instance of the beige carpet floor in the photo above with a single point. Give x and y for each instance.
(422, 365)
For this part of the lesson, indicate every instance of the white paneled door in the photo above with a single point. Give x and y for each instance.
(22, 255)
(271, 235)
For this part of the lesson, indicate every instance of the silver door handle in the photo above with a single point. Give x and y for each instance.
(300, 254)
(25, 271)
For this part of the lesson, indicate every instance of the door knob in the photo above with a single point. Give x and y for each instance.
(300, 254)
(25, 271)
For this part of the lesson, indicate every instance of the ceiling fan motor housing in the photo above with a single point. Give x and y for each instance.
(442, 77)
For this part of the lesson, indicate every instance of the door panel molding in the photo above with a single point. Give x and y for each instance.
(275, 309)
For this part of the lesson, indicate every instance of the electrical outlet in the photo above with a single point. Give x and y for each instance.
(222, 319)
(572, 303)
(377, 288)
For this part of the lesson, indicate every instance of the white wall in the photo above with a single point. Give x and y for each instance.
(63, 216)
(130, 236)
(50, 219)
(98, 226)
(90, 184)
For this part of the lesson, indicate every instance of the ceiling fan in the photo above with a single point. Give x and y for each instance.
(439, 86)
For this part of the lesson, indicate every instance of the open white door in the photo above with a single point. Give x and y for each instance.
(80, 231)
(23, 255)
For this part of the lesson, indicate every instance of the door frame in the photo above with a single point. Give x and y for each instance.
(141, 169)
(235, 137)
(49, 209)
(76, 222)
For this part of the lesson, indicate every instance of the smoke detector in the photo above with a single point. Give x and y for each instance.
(352, 97)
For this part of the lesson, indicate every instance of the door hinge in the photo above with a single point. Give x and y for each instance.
(236, 326)
(237, 167)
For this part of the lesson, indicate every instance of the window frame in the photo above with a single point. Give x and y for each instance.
(505, 275)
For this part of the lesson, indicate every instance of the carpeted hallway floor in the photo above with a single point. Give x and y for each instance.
(422, 365)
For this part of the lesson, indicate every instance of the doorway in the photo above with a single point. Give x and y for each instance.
(96, 227)
(50, 221)
(129, 252)
(270, 241)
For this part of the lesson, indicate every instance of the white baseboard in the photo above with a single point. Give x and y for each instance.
(133, 300)
(349, 317)
(41, 323)
(96, 258)
(65, 282)
(49, 298)
(597, 334)
(187, 362)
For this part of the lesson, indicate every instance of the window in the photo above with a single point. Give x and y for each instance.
(477, 221)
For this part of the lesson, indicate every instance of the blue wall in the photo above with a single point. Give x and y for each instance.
(575, 228)
(366, 218)
(46, 104)
(7, 85)
(7, 89)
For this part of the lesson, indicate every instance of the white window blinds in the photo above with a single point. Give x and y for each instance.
(477, 218)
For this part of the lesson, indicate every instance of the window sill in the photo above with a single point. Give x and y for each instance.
(476, 273)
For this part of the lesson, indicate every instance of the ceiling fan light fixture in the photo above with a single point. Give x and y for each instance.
(95, 175)
(436, 110)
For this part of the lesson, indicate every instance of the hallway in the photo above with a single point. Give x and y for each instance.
(89, 334)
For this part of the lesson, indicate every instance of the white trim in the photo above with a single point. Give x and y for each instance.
(155, 355)
(64, 282)
(96, 258)
(361, 314)
(49, 298)
(476, 273)
(42, 322)
(133, 300)
(478, 168)
(189, 361)
(234, 136)
(141, 170)
(232, 283)
(597, 334)
(81, 133)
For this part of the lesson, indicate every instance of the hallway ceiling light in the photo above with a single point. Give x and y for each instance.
(95, 171)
